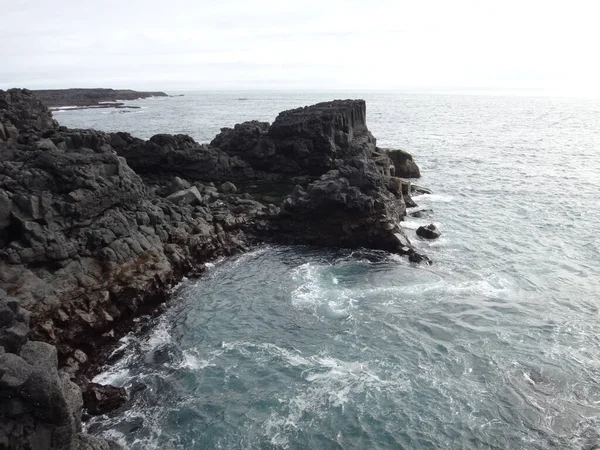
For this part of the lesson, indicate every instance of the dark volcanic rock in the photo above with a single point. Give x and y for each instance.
(165, 155)
(429, 232)
(22, 113)
(100, 399)
(404, 164)
(95, 228)
(40, 408)
(306, 140)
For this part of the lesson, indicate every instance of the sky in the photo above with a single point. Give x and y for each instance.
(297, 45)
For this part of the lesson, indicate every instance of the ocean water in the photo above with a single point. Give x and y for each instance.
(495, 346)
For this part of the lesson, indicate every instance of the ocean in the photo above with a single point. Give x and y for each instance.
(494, 346)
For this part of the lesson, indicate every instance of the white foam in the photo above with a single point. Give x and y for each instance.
(179, 285)
(191, 360)
(268, 351)
(411, 224)
(434, 198)
(160, 336)
(332, 384)
(114, 377)
(318, 290)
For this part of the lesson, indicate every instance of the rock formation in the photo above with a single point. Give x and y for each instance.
(89, 97)
(429, 232)
(96, 227)
(40, 407)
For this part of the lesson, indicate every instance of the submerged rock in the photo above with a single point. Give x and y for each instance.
(100, 399)
(421, 213)
(428, 232)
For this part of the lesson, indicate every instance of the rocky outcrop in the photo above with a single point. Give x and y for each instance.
(40, 407)
(21, 113)
(99, 399)
(346, 207)
(309, 140)
(95, 227)
(429, 232)
(164, 156)
(404, 165)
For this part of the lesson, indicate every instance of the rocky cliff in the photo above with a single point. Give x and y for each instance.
(96, 227)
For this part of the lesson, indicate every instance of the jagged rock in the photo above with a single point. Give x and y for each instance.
(101, 399)
(404, 165)
(421, 213)
(189, 196)
(20, 110)
(163, 156)
(428, 232)
(348, 207)
(409, 202)
(243, 138)
(420, 189)
(46, 144)
(303, 140)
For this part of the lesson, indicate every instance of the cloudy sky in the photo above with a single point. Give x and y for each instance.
(308, 44)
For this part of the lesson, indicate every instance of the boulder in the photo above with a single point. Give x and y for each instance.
(404, 165)
(189, 196)
(101, 399)
(421, 213)
(40, 407)
(420, 189)
(228, 188)
(428, 232)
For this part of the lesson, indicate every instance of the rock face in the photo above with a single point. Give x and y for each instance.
(164, 156)
(309, 140)
(40, 407)
(21, 113)
(96, 227)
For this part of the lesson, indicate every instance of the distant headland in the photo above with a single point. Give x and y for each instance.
(81, 98)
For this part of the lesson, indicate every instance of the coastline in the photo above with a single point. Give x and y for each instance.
(86, 98)
(116, 221)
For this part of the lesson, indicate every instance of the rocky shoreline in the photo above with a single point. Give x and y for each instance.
(91, 98)
(96, 227)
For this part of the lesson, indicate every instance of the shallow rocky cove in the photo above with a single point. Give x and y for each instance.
(95, 228)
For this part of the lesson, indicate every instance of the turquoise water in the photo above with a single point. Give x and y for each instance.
(494, 346)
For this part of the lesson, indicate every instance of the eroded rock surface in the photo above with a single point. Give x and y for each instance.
(40, 407)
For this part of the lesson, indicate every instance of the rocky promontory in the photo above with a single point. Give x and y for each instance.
(80, 98)
(96, 227)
